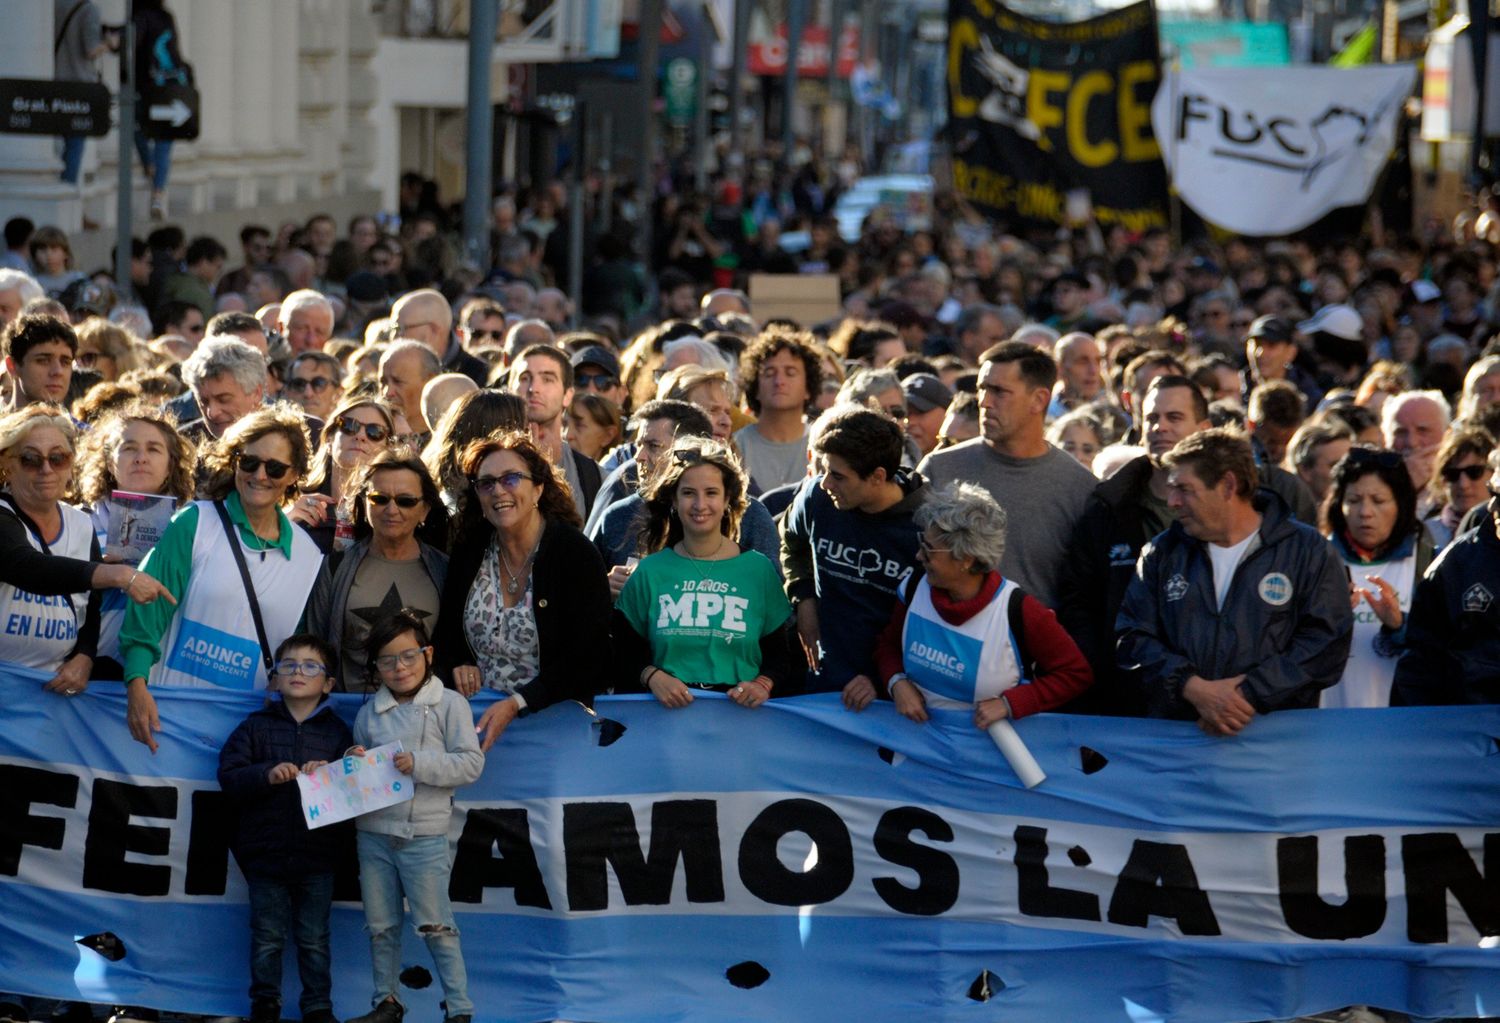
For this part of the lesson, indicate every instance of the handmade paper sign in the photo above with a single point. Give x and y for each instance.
(347, 788)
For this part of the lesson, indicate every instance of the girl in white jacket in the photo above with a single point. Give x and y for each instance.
(403, 849)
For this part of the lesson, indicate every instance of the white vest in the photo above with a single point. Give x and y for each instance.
(212, 640)
(39, 632)
(1367, 674)
(956, 666)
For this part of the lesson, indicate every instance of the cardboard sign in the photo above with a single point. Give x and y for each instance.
(353, 786)
(806, 298)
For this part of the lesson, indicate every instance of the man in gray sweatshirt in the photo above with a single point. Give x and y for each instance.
(1042, 489)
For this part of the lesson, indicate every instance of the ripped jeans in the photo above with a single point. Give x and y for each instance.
(418, 868)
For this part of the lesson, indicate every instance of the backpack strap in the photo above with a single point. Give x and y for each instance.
(67, 21)
(1013, 612)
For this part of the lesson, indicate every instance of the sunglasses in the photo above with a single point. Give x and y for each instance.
(596, 381)
(351, 427)
(86, 360)
(317, 385)
(1472, 473)
(476, 334)
(508, 480)
(32, 461)
(406, 658)
(307, 669)
(405, 501)
(251, 464)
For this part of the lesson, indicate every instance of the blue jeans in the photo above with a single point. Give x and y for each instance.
(72, 158)
(301, 907)
(390, 867)
(156, 155)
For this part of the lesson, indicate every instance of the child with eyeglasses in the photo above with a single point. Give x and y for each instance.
(403, 849)
(288, 868)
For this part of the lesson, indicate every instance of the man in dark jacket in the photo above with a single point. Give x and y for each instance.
(1123, 513)
(848, 543)
(1452, 651)
(1237, 609)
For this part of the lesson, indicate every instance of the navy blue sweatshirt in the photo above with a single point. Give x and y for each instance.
(854, 563)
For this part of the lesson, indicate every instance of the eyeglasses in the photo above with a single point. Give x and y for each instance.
(927, 549)
(896, 412)
(477, 334)
(351, 427)
(251, 464)
(406, 658)
(405, 501)
(86, 360)
(32, 461)
(1472, 473)
(1375, 456)
(594, 381)
(307, 669)
(688, 456)
(508, 480)
(317, 385)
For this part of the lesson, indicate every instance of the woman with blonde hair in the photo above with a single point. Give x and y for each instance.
(699, 611)
(48, 550)
(136, 449)
(107, 349)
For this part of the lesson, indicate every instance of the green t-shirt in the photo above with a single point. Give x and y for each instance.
(705, 619)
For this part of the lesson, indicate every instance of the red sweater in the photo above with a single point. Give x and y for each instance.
(1062, 672)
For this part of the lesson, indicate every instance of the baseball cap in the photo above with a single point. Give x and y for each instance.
(597, 355)
(85, 296)
(925, 392)
(1339, 320)
(1270, 328)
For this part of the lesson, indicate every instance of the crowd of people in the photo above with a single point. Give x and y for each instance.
(1103, 475)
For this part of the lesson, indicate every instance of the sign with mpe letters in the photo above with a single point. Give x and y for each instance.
(35, 106)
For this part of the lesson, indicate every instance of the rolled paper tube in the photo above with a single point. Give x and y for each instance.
(1016, 754)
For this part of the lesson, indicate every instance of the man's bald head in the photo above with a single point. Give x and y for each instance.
(425, 316)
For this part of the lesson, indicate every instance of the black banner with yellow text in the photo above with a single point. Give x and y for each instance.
(1038, 110)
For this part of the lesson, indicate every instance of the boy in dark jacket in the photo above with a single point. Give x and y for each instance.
(288, 868)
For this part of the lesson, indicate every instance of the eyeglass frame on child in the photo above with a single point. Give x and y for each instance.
(300, 668)
(386, 663)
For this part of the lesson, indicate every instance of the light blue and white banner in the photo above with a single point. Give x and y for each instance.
(800, 862)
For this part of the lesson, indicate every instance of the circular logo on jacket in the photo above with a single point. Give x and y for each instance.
(1275, 588)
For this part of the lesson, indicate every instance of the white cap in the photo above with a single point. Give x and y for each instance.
(1425, 291)
(1338, 320)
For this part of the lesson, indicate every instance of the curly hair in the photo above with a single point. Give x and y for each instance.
(663, 526)
(97, 453)
(970, 521)
(556, 502)
(433, 528)
(772, 342)
(281, 419)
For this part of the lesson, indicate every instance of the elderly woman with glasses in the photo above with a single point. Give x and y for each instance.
(357, 431)
(964, 637)
(240, 570)
(392, 501)
(526, 607)
(48, 555)
(1370, 517)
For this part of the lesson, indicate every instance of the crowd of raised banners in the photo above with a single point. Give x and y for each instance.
(808, 863)
(1052, 122)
